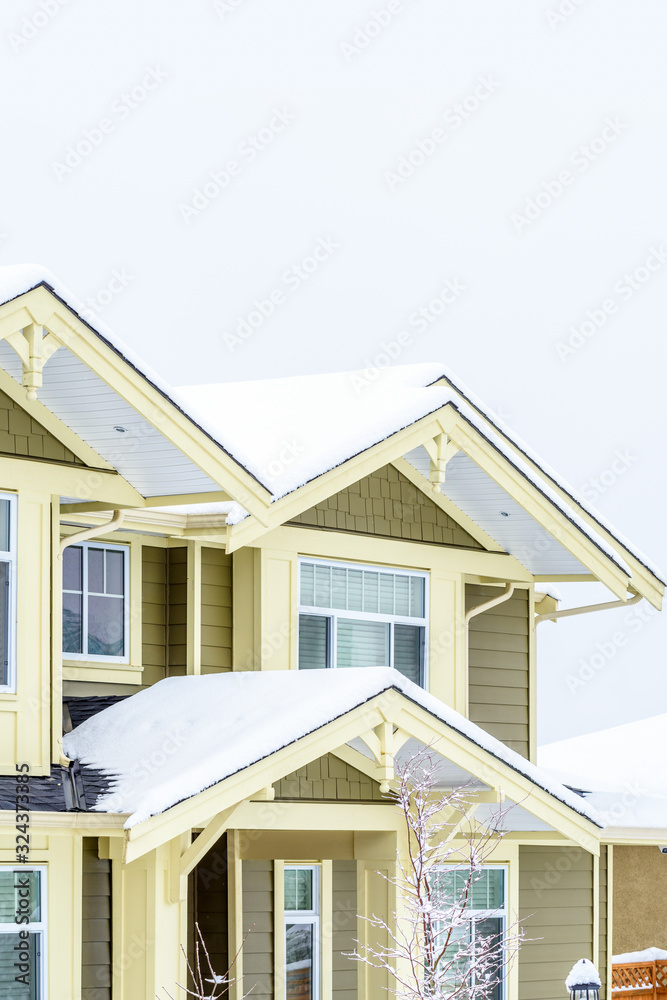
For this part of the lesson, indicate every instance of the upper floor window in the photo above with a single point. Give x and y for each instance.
(7, 591)
(22, 933)
(358, 616)
(95, 606)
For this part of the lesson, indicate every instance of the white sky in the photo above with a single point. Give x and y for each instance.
(219, 76)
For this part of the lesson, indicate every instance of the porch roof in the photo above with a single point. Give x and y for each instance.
(185, 734)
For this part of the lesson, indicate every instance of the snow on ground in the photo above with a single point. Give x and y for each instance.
(184, 734)
(622, 767)
(648, 955)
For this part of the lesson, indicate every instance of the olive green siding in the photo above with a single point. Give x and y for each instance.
(23, 436)
(331, 779)
(344, 929)
(556, 908)
(257, 892)
(209, 904)
(154, 612)
(216, 611)
(177, 610)
(640, 899)
(602, 944)
(386, 503)
(96, 927)
(499, 674)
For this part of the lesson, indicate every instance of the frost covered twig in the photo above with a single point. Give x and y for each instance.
(207, 984)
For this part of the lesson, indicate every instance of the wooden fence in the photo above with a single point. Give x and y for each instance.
(639, 980)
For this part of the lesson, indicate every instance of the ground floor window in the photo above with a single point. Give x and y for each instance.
(302, 932)
(484, 920)
(22, 933)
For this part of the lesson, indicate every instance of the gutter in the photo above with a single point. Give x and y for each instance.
(568, 612)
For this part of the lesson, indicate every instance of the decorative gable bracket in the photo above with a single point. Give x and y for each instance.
(34, 347)
(440, 450)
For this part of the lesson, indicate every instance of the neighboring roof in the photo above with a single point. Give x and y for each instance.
(185, 734)
(63, 790)
(622, 771)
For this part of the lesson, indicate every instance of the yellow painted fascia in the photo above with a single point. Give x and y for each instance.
(643, 580)
(42, 307)
(61, 823)
(389, 706)
(634, 837)
(535, 503)
(335, 480)
(26, 473)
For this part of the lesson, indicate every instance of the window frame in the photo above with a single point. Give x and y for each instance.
(84, 656)
(38, 928)
(499, 912)
(333, 614)
(311, 917)
(11, 558)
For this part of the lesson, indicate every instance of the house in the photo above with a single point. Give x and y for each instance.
(621, 772)
(180, 569)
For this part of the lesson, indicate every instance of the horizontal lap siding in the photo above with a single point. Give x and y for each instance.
(258, 924)
(216, 611)
(344, 929)
(556, 910)
(96, 929)
(498, 661)
(154, 612)
(387, 504)
(177, 575)
(329, 778)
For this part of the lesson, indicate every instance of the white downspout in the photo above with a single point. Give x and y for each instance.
(492, 603)
(100, 529)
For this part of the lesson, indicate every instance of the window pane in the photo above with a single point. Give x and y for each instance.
(354, 590)
(115, 572)
(338, 588)
(408, 651)
(299, 972)
(72, 623)
(371, 596)
(22, 950)
(290, 889)
(362, 644)
(417, 590)
(488, 890)
(313, 641)
(386, 593)
(72, 558)
(4, 525)
(106, 626)
(489, 934)
(307, 585)
(304, 889)
(5, 576)
(19, 892)
(95, 571)
(322, 587)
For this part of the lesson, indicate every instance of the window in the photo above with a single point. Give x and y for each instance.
(302, 932)
(353, 616)
(22, 933)
(485, 916)
(95, 589)
(7, 592)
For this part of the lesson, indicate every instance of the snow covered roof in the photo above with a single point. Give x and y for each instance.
(287, 432)
(184, 734)
(622, 769)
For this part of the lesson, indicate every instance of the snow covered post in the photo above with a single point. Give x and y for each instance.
(584, 981)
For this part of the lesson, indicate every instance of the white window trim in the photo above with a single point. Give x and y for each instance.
(312, 917)
(334, 613)
(501, 911)
(97, 657)
(11, 559)
(39, 928)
